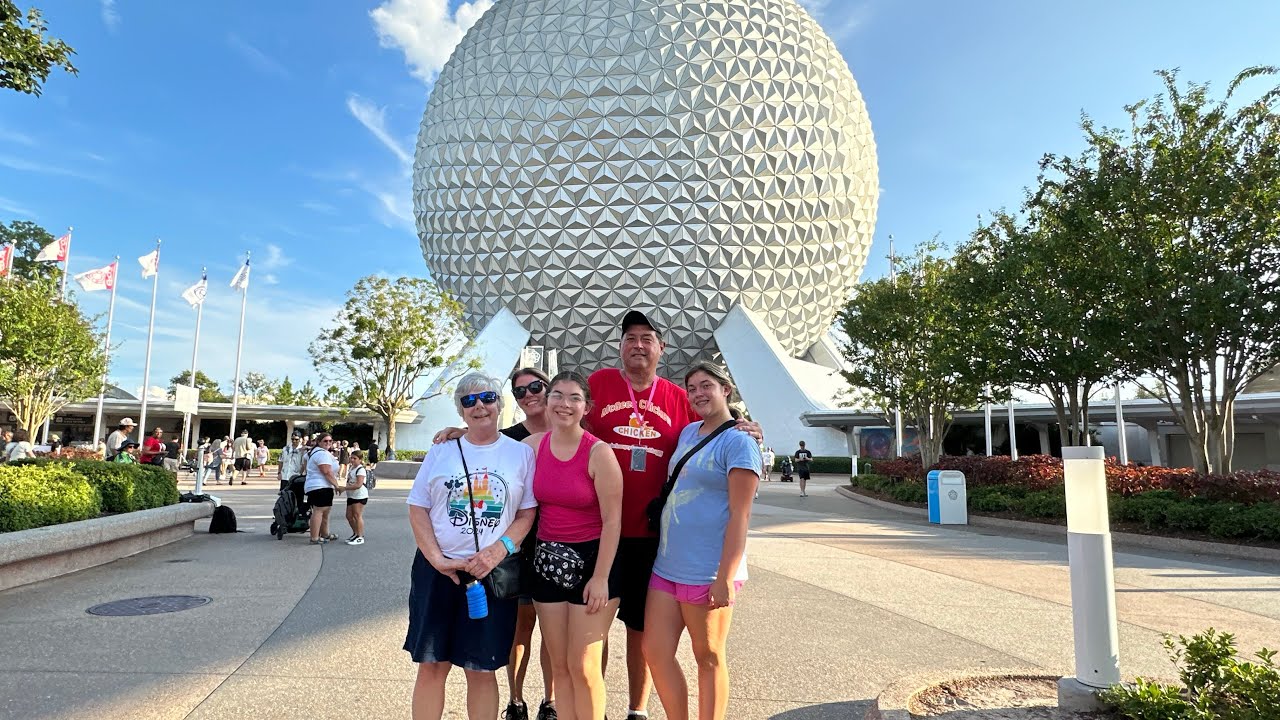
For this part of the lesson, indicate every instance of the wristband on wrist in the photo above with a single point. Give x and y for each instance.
(508, 544)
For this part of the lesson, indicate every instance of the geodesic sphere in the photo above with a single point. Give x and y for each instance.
(579, 158)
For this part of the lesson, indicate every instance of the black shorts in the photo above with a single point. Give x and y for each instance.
(803, 472)
(242, 463)
(357, 501)
(441, 631)
(546, 591)
(634, 566)
(321, 498)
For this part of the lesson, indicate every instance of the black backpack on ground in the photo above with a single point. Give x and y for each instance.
(223, 520)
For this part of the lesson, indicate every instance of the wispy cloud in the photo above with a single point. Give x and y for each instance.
(255, 57)
(110, 16)
(374, 119)
(275, 258)
(323, 208)
(11, 207)
(21, 165)
(15, 137)
(425, 30)
(839, 19)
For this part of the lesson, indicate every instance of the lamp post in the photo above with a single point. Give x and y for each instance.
(1093, 590)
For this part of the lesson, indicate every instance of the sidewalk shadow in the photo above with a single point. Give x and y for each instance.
(852, 710)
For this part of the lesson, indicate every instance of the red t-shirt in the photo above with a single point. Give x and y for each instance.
(151, 447)
(657, 430)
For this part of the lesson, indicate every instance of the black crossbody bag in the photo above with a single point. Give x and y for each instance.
(654, 510)
(505, 580)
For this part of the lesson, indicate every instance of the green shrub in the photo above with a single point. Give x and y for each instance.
(35, 495)
(154, 487)
(1148, 509)
(1216, 684)
(902, 491)
(126, 488)
(1044, 504)
(990, 499)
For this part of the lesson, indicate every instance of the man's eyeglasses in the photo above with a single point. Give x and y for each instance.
(534, 388)
(488, 397)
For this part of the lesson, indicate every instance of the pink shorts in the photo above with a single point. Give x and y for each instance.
(690, 594)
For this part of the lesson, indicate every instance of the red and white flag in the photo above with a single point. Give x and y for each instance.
(6, 260)
(103, 278)
(150, 263)
(55, 251)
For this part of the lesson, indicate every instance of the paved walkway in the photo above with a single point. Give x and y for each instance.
(842, 599)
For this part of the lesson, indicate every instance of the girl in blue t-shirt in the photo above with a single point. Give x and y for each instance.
(701, 561)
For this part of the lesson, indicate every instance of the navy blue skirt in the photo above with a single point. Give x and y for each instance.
(441, 631)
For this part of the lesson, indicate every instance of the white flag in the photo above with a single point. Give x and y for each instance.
(195, 294)
(241, 280)
(103, 278)
(150, 263)
(55, 251)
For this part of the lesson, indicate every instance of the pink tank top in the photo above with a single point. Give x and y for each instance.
(568, 509)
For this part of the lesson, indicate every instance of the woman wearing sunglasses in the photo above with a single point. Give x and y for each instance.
(578, 483)
(474, 492)
(701, 561)
(529, 387)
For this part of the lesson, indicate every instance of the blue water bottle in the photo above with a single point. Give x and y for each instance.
(477, 602)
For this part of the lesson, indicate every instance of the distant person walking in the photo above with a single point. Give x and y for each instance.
(242, 453)
(291, 458)
(260, 456)
(357, 496)
(153, 448)
(803, 458)
(119, 436)
(769, 457)
(373, 453)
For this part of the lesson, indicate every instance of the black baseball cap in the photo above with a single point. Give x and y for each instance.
(635, 317)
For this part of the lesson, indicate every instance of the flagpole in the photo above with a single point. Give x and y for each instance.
(66, 270)
(151, 331)
(195, 349)
(106, 344)
(235, 388)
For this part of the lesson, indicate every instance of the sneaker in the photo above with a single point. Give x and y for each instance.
(516, 711)
(353, 537)
(547, 711)
(637, 716)
(360, 541)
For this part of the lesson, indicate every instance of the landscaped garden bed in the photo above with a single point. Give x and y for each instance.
(1240, 507)
(36, 493)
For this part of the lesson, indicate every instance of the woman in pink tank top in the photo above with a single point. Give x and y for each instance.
(578, 484)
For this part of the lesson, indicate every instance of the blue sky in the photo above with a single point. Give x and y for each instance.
(286, 129)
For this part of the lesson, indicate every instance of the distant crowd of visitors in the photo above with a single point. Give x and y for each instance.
(621, 494)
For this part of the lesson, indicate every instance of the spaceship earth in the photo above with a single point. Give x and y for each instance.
(579, 158)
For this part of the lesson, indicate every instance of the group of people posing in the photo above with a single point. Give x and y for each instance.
(621, 494)
(328, 470)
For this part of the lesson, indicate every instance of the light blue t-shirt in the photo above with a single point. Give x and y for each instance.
(697, 513)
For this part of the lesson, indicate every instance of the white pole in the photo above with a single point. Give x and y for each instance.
(1121, 436)
(986, 411)
(235, 388)
(195, 349)
(1013, 435)
(106, 346)
(897, 431)
(146, 366)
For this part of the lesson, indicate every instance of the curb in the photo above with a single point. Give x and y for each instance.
(29, 556)
(1150, 542)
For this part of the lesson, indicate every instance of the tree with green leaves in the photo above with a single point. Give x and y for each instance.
(50, 354)
(257, 388)
(208, 387)
(285, 394)
(28, 239)
(909, 340)
(417, 329)
(26, 54)
(307, 396)
(1191, 190)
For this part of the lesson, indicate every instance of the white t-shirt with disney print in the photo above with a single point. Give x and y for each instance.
(501, 485)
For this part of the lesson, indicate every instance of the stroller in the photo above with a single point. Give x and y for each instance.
(291, 512)
(786, 470)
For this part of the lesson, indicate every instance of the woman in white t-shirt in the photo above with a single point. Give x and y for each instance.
(20, 447)
(357, 496)
(321, 484)
(482, 479)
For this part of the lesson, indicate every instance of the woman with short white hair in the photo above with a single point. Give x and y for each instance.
(471, 505)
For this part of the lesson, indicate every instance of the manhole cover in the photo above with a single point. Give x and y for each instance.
(148, 605)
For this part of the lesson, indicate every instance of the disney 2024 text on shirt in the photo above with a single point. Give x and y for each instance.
(501, 485)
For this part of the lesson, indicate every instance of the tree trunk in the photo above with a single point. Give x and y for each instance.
(391, 432)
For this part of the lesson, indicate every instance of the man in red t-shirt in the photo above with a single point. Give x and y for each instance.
(640, 415)
(153, 448)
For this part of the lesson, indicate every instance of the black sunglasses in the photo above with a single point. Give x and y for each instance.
(536, 387)
(488, 397)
